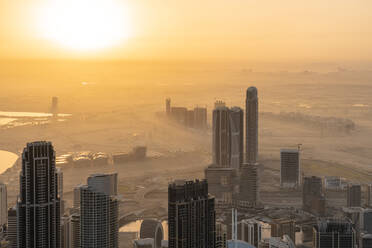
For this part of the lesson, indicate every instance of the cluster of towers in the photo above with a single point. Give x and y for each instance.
(39, 219)
(233, 175)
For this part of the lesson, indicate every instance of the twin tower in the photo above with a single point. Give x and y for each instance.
(233, 175)
(228, 133)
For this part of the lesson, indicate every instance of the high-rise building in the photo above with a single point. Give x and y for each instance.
(200, 117)
(249, 186)
(365, 240)
(221, 184)
(3, 205)
(221, 150)
(168, 106)
(313, 199)
(99, 212)
(366, 221)
(75, 230)
(289, 168)
(354, 195)
(38, 206)
(65, 232)
(250, 231)
(60, 189)
(76, 200)
(237, 137)
(221, 234)
(334, 234)
(191, 215)
(251, 125)
(281, 227)
(228, 137)
(12, 227)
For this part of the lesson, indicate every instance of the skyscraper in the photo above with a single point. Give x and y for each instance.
(99, 212)
(354, 195)
(12, 227)
(251, 124)
(249, 186)
(38, 206)
(191, 215)
(221, 150)
(334, 233)
(237, 138)
(289, 168)
(3, 205)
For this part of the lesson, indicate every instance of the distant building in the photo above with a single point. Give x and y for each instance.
(237, 137)
(285, 242)
(65, 232)
(366, 221)
(12, 227)
(249, 186)
(194, 118)
(221, 184)
(38, 206)
(333, 183)
(365, 241)
(99, 212)
(281, 227)
(76, 198)
(221, 235)
(219, 103)
(251, 122)
(250, 231)
(3, 205)
(200, 117)
(75, 230)
(144, 243)
(333, 233)
(238, 244)
(354, 195)
(187, 203)
(168, 106)
(290, 168)
(221, 150)
(152, 229)
(60, 189)
(313, 199)
(54, 106)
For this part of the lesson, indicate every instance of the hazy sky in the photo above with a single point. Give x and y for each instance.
(265, 30)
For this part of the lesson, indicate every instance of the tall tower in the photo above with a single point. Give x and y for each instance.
(221, 149)
(99, 212)
(236, 136)
(191, 215)
(168, 106)
(251, 125)
(38, 206)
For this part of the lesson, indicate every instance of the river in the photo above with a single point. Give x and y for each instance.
(7, 160)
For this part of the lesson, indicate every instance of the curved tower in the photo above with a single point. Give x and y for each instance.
(251, 125)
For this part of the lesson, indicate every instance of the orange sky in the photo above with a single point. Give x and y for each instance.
(267, 30)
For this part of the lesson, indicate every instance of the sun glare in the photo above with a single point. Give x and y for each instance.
(85, 24)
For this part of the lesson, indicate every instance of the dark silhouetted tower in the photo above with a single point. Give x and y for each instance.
(251, 124)
(354, 195)
(168, 106)
(237, 137)
(38, 206)
(289, 168)
(221, 137)
(191, 215)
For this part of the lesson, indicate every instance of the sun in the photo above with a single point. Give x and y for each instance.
(85, 24)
